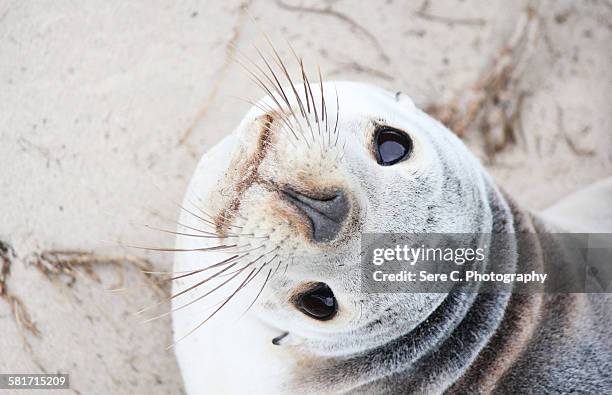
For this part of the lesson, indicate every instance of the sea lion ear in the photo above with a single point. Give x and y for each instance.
(404, 100)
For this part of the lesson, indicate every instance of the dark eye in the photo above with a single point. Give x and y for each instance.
(391, 146)
(318, 302)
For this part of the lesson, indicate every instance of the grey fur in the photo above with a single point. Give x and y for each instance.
(460, 342)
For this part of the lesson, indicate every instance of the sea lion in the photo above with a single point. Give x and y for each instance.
(268, 296)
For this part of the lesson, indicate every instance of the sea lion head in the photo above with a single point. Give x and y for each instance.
(288, 196)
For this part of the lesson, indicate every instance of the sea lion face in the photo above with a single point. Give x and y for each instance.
(295, 186)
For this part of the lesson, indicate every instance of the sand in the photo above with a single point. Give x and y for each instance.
(105, 108)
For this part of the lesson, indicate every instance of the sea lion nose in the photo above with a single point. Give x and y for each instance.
(326, 212)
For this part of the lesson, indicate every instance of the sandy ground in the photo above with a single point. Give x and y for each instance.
(106, 106)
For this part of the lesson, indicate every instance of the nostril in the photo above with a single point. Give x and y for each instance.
(326, 212)
(334, 206)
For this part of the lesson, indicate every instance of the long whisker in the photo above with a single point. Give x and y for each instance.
(323, 107)
(180, 206)
(249, 250)
(179, 274)
(235, 273)
(190, 273)
(301, 63)
(204, 236)
(304, 83)
(269, 252)
(277, 266)
(257, 80)
(267, 109)
(303, 73)
(175, 222)
(195, 300)
(195, 285)
(279, 61)
(279, 85)
(260, 290)
(169, 313)
(214, 312)
(314, 106)
(203, 204)
(337, 117)
(204, 219)
(184, 273)
(200, 209)
(213, 248)
(277, 115)
(281, 64)
(218, 274)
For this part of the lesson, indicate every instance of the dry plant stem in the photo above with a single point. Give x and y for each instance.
(6, 255)
(330, 12)
(424, 13)
(494, 102)
(580, 151)
(216, 88)
(57, 263)
(20, 313)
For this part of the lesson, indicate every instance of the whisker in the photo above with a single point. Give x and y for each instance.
(180, 206)
(204, 219)
(218, 274)
(223, 262)
(303, 73)
(262, 85)
(269, 252)
(268, 127)
(169, 313)
(278, 87)
(178, 275)
(275, 113)
(193, 286)
(337, 116)
(201, 210)
(249, 250)
(204, 204)
(260, 290)
(195, 300)
(204, 236)
(286, 266)
(213, 248)
(323, 106)
(281, 64)
(277, 266)
(314, 106)
(175, 222)
(165, 273)
(304, 79)
(202, 282)
(304, 82)
(210, 233)
(281, 90)
(256, 78)
(214, 312)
